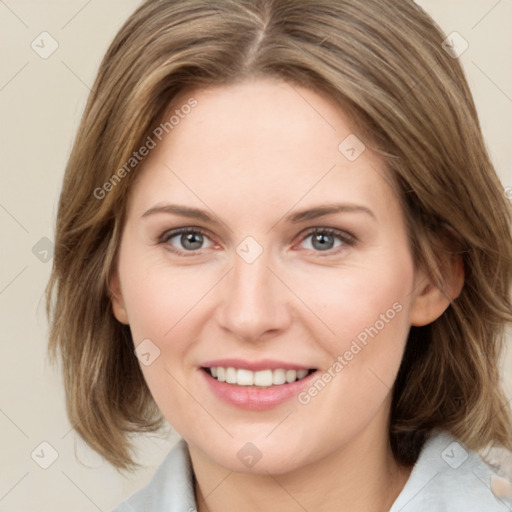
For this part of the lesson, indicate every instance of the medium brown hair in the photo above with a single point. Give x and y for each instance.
(383, 63)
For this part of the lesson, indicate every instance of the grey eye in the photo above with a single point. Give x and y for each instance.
(187, 240)
(192, 241)
(322, 241)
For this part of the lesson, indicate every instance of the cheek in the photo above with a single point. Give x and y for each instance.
(351, 301)
(371, 324)
(150, 307)
(367, 311)
(161, 307)
(158, 297)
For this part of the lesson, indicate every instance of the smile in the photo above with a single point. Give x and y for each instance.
(261, 378)
(256, 390)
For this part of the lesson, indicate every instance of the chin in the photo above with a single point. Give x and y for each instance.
(259, 456)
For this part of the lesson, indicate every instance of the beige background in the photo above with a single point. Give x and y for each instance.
(41, 101)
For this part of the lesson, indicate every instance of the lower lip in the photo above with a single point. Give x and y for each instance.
(255, 398)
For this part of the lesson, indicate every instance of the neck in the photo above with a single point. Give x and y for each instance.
(363, 476)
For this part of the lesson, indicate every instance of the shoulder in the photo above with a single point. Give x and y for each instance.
(448, 476)
(171, 487)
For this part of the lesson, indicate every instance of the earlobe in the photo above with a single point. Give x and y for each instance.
(431, 300)
(116, 297)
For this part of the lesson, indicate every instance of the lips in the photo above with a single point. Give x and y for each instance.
(255, 385)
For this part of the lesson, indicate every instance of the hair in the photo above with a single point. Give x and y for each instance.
(382, 62)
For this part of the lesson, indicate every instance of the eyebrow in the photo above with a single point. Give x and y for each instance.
(329, 209)
(184, 211)
(294, 217)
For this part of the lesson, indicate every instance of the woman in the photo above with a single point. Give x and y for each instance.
(280, 231)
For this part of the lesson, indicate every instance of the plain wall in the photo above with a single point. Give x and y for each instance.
(41, 101)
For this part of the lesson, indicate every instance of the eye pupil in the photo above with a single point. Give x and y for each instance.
(192, 241)
(323, 241)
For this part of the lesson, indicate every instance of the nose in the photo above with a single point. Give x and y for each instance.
(254, 303)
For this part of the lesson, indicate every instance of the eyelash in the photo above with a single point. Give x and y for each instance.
(347, 239)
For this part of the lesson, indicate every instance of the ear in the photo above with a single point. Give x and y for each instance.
(431, 299)
(116, 296)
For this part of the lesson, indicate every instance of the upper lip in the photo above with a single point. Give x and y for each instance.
(263, 364)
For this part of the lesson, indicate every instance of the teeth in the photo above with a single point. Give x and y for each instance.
(230, 375)
(262, 378)
(278, 377)
(291, 375)
(301, 374)
(244, 377)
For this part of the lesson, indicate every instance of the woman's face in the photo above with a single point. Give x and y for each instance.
(262, 236)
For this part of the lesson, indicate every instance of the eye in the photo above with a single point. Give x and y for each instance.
(188, 241)
(327, 239)
(185, 240)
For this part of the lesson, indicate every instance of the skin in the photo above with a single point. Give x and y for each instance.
(250, 154)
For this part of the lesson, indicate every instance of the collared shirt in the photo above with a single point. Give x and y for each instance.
(447, 477)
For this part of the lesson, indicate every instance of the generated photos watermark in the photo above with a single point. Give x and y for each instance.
(150, 144)
(343, 360)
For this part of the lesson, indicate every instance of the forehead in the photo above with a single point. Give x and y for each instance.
(263, 142)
